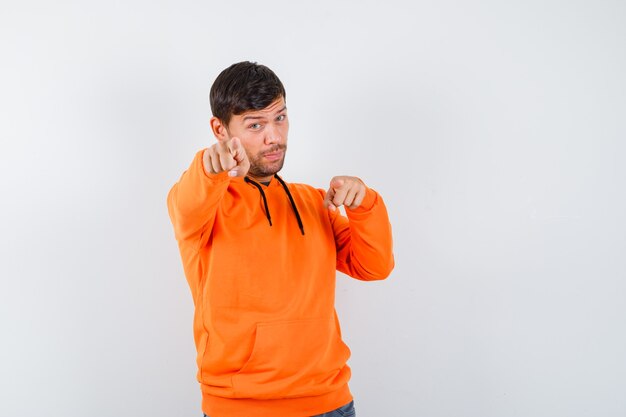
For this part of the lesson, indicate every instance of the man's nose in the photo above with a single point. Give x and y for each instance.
(272, 135)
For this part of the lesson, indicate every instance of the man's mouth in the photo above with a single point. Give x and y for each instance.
(273, 156)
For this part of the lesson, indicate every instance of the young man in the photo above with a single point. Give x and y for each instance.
(260, 256)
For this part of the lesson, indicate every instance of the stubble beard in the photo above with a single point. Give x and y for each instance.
(258, 168)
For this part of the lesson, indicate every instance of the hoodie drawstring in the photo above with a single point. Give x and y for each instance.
(267, 210)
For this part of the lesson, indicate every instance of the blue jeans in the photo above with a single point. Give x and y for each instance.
(343, 411)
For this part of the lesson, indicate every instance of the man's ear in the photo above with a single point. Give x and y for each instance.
(219, 129)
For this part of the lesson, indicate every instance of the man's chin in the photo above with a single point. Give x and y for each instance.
(267, 169)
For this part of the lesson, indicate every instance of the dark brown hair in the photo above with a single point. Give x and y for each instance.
(244, 86)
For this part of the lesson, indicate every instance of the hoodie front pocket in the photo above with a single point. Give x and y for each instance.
(294, 358)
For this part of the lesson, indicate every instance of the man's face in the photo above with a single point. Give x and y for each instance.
(263, 134)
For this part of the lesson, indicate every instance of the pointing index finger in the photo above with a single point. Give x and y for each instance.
(236, 150)
(233, 145)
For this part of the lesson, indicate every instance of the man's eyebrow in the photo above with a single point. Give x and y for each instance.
(262, 117)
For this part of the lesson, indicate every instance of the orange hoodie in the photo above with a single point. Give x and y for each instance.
(261, 262)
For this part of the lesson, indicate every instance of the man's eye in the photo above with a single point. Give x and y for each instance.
(281, 118)
(255, 126)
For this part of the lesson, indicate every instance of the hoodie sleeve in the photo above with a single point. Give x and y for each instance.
(192, 202)
(363, 239)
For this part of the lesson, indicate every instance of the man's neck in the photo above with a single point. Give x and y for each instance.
(262, 180)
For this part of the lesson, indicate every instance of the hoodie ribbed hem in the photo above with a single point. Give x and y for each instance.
(214, 406)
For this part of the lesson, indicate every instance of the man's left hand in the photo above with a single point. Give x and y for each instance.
(346, 191)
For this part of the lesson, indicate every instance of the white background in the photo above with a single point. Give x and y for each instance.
(494, 131)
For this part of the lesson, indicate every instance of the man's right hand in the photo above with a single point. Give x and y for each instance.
(226, 156)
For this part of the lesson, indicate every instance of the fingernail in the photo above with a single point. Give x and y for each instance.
(232, 173)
